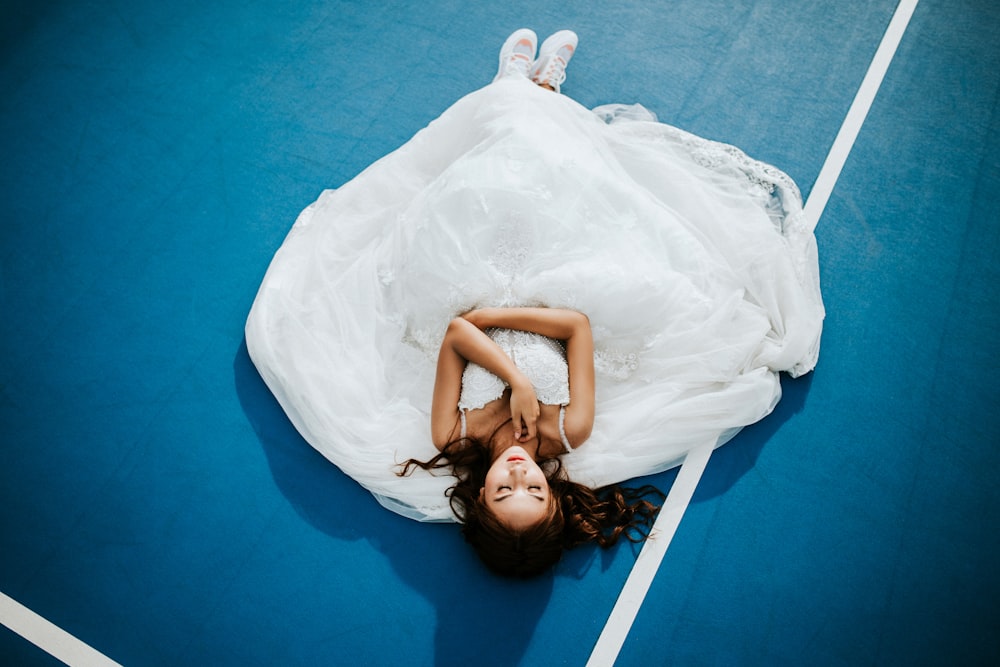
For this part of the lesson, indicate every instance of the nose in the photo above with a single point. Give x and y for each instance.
(518, 473)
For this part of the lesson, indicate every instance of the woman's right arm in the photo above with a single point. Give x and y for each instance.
(464, 342)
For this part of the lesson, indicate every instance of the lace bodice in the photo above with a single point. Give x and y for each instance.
(542, 359)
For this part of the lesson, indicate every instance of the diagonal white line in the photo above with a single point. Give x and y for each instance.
(638, 582)
(641, 577)
(835, 159)
(48, 637)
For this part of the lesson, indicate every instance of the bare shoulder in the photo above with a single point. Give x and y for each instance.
(550, 444)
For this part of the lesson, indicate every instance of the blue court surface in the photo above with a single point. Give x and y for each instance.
(156, 504)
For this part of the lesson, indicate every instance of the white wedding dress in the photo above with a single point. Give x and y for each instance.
(694, 263)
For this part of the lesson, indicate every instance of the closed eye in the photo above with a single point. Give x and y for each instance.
(504, 492)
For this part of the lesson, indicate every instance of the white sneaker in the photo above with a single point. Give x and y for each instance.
(550, 68)
(517, 54)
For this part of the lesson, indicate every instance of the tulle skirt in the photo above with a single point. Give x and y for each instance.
(694, 263)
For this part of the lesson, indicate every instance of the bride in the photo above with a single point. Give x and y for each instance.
(543, 301)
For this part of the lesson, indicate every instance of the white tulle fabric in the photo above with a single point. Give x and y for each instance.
(694, 263)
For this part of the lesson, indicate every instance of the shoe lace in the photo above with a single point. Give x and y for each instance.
(554, 71)
(518, 63)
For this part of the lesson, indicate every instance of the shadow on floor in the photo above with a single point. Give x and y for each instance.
(465, 595)
(737, 457)
(430, 558)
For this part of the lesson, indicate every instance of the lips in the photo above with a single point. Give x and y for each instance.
(516, 457)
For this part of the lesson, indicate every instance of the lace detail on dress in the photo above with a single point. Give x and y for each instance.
(773, 189)
(766, 183)
(428, 342)
(615, 363)
(511, 250)
(542, 359)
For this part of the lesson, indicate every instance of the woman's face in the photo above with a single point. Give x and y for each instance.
(516, 490)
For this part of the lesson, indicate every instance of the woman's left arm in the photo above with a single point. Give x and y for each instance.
(569, 326)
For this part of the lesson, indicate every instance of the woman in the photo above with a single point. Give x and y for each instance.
(679, 274)
(515, 387)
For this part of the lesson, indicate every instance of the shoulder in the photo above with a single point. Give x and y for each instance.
(573, 426)
(550, 432)
(577, 436)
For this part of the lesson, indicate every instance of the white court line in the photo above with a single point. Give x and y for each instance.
(648, 562)
(641, 577)
(48, 637)
(835, 159)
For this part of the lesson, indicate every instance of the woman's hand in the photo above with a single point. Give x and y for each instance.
(524, 410)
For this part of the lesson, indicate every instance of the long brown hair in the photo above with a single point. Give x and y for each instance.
(576, 515)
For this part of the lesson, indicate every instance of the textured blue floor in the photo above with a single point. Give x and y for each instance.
(155, 502)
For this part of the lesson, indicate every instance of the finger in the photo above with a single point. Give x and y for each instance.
(529, 429)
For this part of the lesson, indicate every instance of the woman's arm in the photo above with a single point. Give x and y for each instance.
(464, 342)
(580, 357)
(571, 327)
(557, 323)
